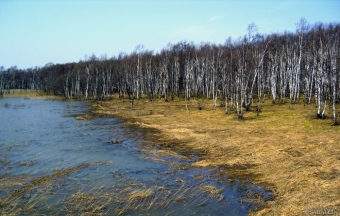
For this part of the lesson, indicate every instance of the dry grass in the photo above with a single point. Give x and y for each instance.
(140, 194)
(211, 190)
(132, 197)
(84, 117)
(38, 94)
(284, 148)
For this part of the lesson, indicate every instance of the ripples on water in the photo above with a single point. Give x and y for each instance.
(42, 138)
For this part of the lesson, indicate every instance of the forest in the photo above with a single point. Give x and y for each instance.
(288, 67)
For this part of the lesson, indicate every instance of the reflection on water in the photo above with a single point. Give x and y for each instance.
(51, 163)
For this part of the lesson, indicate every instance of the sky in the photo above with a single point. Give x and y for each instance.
(34, 33)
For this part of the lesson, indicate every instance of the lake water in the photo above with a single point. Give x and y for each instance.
(51, 163)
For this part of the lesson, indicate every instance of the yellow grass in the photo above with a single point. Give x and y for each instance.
(211, 190)
(28, 93)
(285, 148)
(140, 194)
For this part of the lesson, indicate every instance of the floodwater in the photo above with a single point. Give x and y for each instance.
(52, 163)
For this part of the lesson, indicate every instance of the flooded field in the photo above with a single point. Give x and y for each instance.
(53, 161)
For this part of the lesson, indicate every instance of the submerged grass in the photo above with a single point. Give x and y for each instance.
(286, 148)
(40, 180)
(211, 190)
(129, 197)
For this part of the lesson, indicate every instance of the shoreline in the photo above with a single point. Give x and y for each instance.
(27, 93)
(285, 149)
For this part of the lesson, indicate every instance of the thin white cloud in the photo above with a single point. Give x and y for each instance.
(214, 18)
(197, 34)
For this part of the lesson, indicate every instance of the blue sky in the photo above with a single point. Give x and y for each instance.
(33, 33)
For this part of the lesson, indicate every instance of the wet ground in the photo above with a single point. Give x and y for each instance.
(52, 163)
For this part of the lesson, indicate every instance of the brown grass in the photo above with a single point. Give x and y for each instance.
(133, 197)
(285, 148)
(38, 94)
(210, 189)
(84, 117)
(40, 180)
(140, 194)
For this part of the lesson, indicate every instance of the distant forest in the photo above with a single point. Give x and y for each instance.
(304, 65)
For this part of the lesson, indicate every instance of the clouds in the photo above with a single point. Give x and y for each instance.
(214, 18)
(201, 30)
(198, 33)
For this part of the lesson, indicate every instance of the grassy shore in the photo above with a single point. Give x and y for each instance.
(286, 148)
(28, 93)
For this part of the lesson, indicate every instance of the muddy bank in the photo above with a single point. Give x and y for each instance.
(284, 148)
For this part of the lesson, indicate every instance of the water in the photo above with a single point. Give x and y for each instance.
(51, 163)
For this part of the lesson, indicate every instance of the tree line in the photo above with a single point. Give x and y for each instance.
(303, 65)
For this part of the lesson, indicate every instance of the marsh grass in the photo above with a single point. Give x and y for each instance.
(211, 190)
(284, 147)
(28, 186)
(27, 94)
(70, 192)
